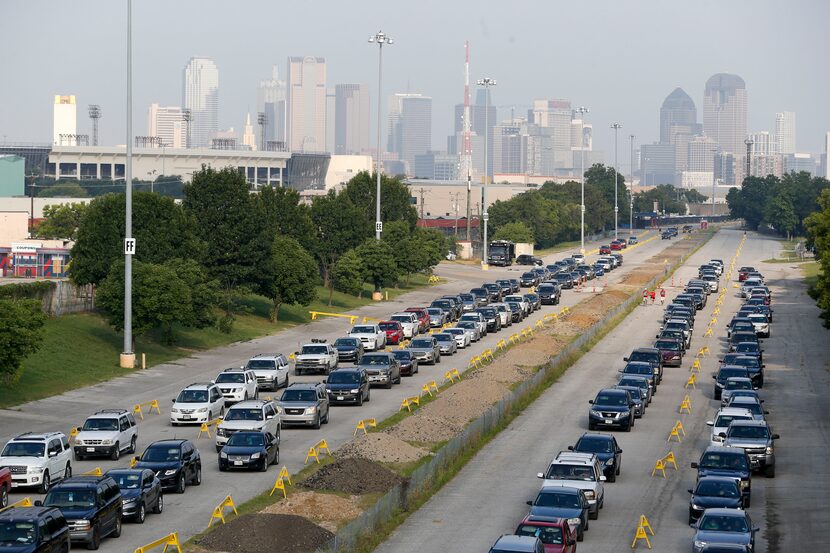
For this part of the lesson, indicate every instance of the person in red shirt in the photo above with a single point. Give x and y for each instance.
(662, 296)
(645, 296)
(653, 295)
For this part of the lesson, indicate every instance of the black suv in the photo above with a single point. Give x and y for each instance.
(605, 447)
(33, 530)
(91, 505)
(348, 385)
(731, 462)
(177, 463)
(651, 356)
(140, 492)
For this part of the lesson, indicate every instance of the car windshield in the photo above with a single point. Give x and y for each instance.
(723, 420)
(454, 331)
(235, 378)
(299, 395)
(473, 317)
(738, 384)
(467, 297)
(667, 344)
(313, 350)
(14, 533)
(639, 368)
(435, 311)
(642, 356)
(570, 472)
(192, 396)
(748, 432)
(388, 326)
(717, 488)
(363, 330)
(242, 414)
(69, 498)
(751, 406)
(466, 324)
(635, 382)
(23, 449)
(594, 445)
(100, 424)
(443, 337)
(126, 480)
(247, 439)
(729, 372)
(420, 344)
(401, 319)
(160, 454)
(344, 377)
(746, 347)
(718, 460)
(546, 534)
(346, 342)
(723, 523)
(611, 399)
(636, 393)
(259, 364)
(746, 361)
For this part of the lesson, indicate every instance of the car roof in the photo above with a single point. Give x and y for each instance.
(303, 386)
(733, 411)
(198, 385)
(724, 450)
(82, 480)
(562, 490)
(107, 413)
(523, 543)
(267, 356)
(751, 423)
(249, 404)
(543, 520)
(37, 436)
(597, 435)
(720, 511)
(25, 513)
(168, 442)
(722, 479)
(647, 350)
(615, 391)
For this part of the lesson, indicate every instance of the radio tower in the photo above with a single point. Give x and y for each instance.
(467, 156)
(95, 115)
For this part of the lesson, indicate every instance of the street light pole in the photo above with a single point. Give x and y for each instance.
(486, 82)
(582, 110)
(127, 359)
(381, 39)
(616, 127)
(631, 190)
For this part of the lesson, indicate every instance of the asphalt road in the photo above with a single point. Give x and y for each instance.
(189, 513)
(487, 498)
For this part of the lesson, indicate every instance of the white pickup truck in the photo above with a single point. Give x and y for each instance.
(316, 357)
(371, 335)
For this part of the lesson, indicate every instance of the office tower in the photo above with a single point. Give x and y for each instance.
(410, 126)
(351, 113)
(271, 102)
(724, 111)
(248, 136)
(510, 148)
(701, 156)
(436, 166)
(307, 104)
(785, 132)
(167, 123)
(799, 162)
(657, 162)
(64, 120)
(826, 155)
(200, 94)
(581, 135)
(677, 114)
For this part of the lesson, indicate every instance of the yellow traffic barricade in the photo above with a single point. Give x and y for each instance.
(25, 502)
(686, 405)
(94, 472)
(279, 484)
(138, 408)
(170, 540)
(316, 314)
(219, 511)
(691, 381)
(642, 532)
(364, 424)
(205, 427)
(695, 366)
(452, 374)
(408, 402)
(74, 431)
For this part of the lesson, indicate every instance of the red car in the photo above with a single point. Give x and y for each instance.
(5, 486)
(622, 242)
(604, 250)
(743, 273)
(393, 330)
(423, 317)
(616, 246)
(554, 533)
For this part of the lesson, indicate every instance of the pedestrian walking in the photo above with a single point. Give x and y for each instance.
(645, 296)
(662, 296)
(653, 294)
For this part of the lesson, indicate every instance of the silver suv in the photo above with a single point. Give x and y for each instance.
(316, 357)
(304, 403)
(578, 470)
(259, 415)
(757, 439)
(271, 370)
(107, 432)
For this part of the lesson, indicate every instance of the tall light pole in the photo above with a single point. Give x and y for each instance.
(582, 110)
(616, 127)
(127, 359)
(631, 190)
(486, 82)
(380, 38)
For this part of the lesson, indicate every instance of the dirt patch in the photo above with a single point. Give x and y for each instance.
(425, 428)
(382, 448)
(327, 510)
(467, 400)
(274, 533)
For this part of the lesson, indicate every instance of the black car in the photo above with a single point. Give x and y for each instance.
(738, 337)
(750, 348)
(409, 364)
(612, 408)
(349, 349)
(640, 368)
(250, 450)
(506, 286)
(730, 462)
(481, 295)
(726, 372)
(526, 259)
(558, 502)
(448, 307)
(176, 462)
(752, 364)
(714, 492)
(529, 279)
(549, 293)
(651, 356)
(564, 280)
(348, 385)
(494, 290)
(91, 505)
(605, 447)
(140, 492)
(516, 313)
(33, 530)
(492, 317)
(515, 284)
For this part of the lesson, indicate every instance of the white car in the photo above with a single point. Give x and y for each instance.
(37, 460)
(249, 415)
(108, 432)
(371, 335)
(713, 283)
(761, 324)
(723, 418)
(271, 370)
(463, 337)
(578, 257)
(409, 322)
(520, 299)
(237, 385)
(748, 285)
(505, 314)
(197, 403)
(471, 328)
(478, 319)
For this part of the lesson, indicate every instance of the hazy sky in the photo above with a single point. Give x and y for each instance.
(618, 57)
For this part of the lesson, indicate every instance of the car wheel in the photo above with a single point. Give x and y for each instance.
(264, 466)
(368, 395)
(181, 485)
(79, 457)
(628, 427)
(613, 476)
(328, 414)
(197, 478)
(159, 504)
(141, 515)
(591, 426)
(4, 497)
(595, 515)
(132, 445)
(95, 541)
(769, 471)
(116, 451)
(297, 372)
(388, 385)
(45, 484)
(116, 533)
(581, 534)
(398, 381)
(317, 420)
(286, 381)
(67, 471)
(360, 400)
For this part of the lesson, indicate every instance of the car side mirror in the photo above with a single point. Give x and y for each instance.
(756, 529)
(53, 454)
(722, 434)
(763, 366)
(694, 465)
(38, 503)
(766, 412)
(775, 436)
(602, 478)
(570, 448)
(269, 417)
(715, 376)
(591, 401)
(540, 475)
(173, 400)
(296, 353)
(710, 423)
(625, 359)
(529, 502)
(690, 490)
(619, 451)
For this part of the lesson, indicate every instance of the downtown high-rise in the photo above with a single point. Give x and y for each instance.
(168, 124)
(272, 109)
(200, 95)
(351, 118)
(306, 104)
(724, 112)
(410, 126)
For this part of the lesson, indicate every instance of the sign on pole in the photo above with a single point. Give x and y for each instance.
(129, 246)
(378, 226)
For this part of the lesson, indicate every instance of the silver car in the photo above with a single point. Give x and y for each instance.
(462, 337)
(471, 328)
(437, 317)
(425, 350)
(446, 343)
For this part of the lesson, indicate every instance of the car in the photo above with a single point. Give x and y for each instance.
(371, 335)
(729, 462)
(510, 543)
(738, 324)
(639, 382)
(5, 486)
(494, 290)
(437, 317)
(505, 314)
(638, 397)
(271, 370)
(141, 493)
(516, 285)
(611, 408)
(615, 246)
(758, 440)
(317, 357)
(261, 415)
(714, 282)
(462, 337)
(349, 385)
(107, 433)
(671, 350)
(549, 293)
(91, 505)
(468, 302)
(681, 325)
(426, 349)
(599, 270)
(534, 301)
(521, 300)
(491, 315)
(753, 404)
(527, 259)
(481, 296)
(723, 374)
(738, 337)
(564, 281)
(453, 312)
(529, 279)
(714, 492)
(305, 403)
(383, 369)
(422, 316)
(458, 303)
(506, 286)
(471, 328)
(605, 249)
(516, 313)
(237, 385)
(408, 322)
(750, 348)
(578, 470)
(605, 447)
(733, 384)
(250, 450)
(761, 324)
(176, 462)
(648, 355)
(555, 533)
(665, 235)
(348, 349)
(37, 460)
(643, 369)
(197, 403)
(724, 526)
(673, 335)
(578, 257)
(632, 240)
(446, 343)
(33, 530)
(407, 360)
(477, 318)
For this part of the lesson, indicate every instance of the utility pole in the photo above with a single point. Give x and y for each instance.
(422, 203)
(582, 110)
(486, 82)
(380, 38)
(749, 144)
(95, 115)
(127, 360)
(261, 119)
(631, 190)
(616, 127)
(468, 151)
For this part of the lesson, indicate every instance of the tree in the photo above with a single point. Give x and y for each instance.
(779, 213)
(395, 198)
(61, 221)
(516, 231)
(291, 275)
(21, 334)
(348, 274)
(284, 213)
(63, 190)
(694, 197)
(378, 262)
(818, 232)
(669, 199)
(604, 178)
(204, 292)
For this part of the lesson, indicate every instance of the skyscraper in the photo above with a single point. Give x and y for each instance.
(248, 137)
(724, 111)
(677, 114)
(307, 104)
(785, 132)
(200, 94)
(167, 122)
(271, 101)
(64, 119)
(826, 155)
(351, 112)
(410, 126)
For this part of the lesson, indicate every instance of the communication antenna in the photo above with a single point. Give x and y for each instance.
(95, 115)
(187, 117)
(261, 120)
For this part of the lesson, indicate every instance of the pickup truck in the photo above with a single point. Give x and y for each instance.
(372, 336)
(316, 357)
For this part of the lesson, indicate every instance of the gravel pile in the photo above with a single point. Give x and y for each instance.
(466, 401)
(426, 428)
(382, 448)
(255, 533)
(327, 510)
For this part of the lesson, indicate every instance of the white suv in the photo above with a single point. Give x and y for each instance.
(197, 403)
(578, 470)
(237, 385)
(249, 415)
(271, 370)
(108, 433)
(36, 460)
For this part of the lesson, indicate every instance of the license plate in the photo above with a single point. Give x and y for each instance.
(339, 398)
(237, 463)
(185, 417)
(90, 449)
(609, 421)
